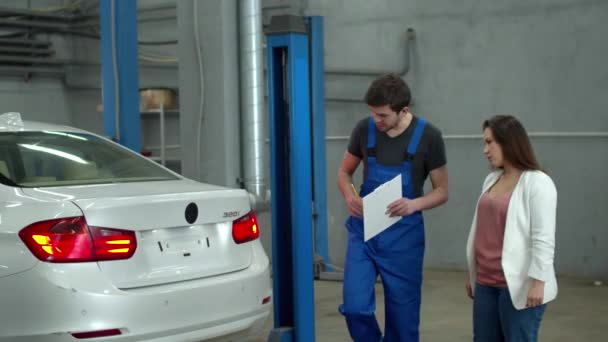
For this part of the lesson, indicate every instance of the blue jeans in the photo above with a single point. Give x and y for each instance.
(495, 319)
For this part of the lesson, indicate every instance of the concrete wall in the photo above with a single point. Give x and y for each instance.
(542, 60)
(36, 100)
(208, 73)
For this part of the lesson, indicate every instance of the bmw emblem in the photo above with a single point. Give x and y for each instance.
(191, 213)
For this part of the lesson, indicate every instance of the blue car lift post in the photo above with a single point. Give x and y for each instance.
(119, 68)
(298, 175)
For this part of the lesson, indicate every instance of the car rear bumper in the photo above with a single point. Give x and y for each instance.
(51, 301)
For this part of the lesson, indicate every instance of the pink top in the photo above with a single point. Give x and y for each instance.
(491, 219)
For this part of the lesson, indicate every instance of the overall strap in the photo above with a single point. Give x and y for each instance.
(371, 134)
(418, 130)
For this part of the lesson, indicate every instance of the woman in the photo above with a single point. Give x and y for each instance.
(512, 239)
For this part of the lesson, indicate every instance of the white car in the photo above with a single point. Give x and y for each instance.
(99, 243)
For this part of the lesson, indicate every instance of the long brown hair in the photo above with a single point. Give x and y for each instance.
(512, 137)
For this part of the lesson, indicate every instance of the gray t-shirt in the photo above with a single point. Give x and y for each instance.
(390, 151)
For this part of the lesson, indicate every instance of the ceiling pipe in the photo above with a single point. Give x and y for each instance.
(32, 60)
(24, 42)
(18, 70)
(19, 23)
(30, 51)
(65, 17)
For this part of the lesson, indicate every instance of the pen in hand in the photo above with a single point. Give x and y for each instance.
(355, 205)
(352, 186)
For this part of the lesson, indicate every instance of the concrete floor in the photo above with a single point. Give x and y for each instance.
(580, 312)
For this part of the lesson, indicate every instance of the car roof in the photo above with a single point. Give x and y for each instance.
(36, 126)
(11, 122)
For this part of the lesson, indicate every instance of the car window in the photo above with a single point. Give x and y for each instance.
(39, 159)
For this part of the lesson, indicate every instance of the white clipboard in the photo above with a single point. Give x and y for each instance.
(375, 219)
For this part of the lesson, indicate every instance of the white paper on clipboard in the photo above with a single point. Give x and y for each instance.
(375, 219)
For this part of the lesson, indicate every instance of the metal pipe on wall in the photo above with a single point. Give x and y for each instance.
(479, 136)
(64, 17)
(55, 26)
(410, 35)
(252, 100)
(19, 70)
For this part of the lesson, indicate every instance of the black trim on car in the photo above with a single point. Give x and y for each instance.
(7, 181)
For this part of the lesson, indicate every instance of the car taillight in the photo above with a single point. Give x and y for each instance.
(245, 228)
(113, 244)
(72, 240)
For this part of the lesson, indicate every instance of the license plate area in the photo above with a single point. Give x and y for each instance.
(180, 241)
(185, 246)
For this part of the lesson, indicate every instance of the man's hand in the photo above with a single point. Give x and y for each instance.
(467, 287)
(345, 184)
(536, 293)
(402, 207)
(355, 205)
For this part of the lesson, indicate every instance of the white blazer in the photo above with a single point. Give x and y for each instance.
(529, 240)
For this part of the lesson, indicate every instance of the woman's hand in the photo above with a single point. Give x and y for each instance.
(536, 293)
(467, 287)
(355, 205)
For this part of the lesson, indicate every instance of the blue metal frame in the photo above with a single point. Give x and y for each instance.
(317, 82)
(291, 185)
(120, 18)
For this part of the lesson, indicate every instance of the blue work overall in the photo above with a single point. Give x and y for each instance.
(396, 255)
